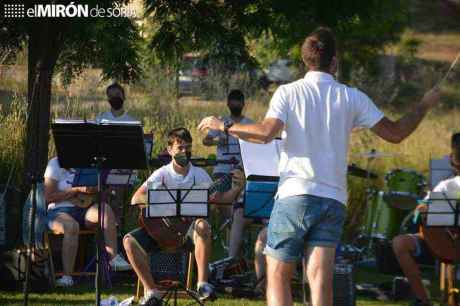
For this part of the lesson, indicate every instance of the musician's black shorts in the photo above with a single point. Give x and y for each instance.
(149, 245)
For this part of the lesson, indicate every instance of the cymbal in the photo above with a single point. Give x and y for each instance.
(376, 154)
(354, 170)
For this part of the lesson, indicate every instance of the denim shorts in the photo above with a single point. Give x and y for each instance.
(77, 213)
(300, 221)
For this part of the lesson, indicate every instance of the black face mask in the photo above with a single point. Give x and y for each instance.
(182, 159)
(116, 103)
(236, 111)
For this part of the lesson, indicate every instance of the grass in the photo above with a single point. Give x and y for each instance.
(83, 293)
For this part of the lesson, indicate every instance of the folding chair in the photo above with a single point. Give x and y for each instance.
(173, 272)
(83, 235)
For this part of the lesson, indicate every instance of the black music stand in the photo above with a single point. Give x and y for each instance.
(81, 144)
(177, 203)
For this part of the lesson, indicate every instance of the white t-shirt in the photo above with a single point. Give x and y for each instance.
(319, 114)
(166, 175)
(64, 178)
(110, 117)
(451, 187)
(227, 152)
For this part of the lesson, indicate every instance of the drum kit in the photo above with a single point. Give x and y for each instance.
(387, 209)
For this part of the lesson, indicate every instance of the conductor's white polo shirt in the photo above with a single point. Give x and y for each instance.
(319, 114)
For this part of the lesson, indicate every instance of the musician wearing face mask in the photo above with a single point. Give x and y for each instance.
(228, 146)
(116, 98)
(179, 233)
(412, 249)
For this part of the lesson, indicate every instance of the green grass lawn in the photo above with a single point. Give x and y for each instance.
(84, 294)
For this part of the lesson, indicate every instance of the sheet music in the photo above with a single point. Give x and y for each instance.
(162, 203)
(440, 169)
(163, 210)
(90, 121)
(440, 211)
(112, 122)
(119, 177)
(73, 121)
(195, 203)
(261, 159)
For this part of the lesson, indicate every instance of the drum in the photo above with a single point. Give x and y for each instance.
(403, 188)
(387, 219)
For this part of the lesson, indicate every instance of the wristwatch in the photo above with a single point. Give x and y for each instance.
(227, 125)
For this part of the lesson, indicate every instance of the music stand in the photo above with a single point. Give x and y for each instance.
(261, 167)
(177, 203)
(444, 213)
(82, 144)
(259, 196)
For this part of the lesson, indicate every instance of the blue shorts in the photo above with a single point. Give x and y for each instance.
(77, 213)
(302, 220)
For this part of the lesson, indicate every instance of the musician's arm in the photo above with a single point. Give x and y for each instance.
(139, 196)
(238, 183)
(227, 196)
(397, 131)
(53, 194)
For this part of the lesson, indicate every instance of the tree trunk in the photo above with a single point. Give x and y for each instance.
(43, 51)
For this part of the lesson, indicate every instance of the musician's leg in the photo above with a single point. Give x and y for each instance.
(63, 223)
(283, 249)
(405, 247)
(138, 257)
(109, 228)
(239, 222)
(320, 271)
(202, 241)
(259, 259)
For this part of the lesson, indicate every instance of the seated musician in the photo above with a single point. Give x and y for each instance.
(116, 98)
(179, 173)
(69, 210)
(409, 247)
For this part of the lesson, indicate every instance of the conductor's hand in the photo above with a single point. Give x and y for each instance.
(431, 97)
(211, 123)
(238, 179)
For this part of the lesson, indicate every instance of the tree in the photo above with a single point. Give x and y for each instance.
(363, 26)
(68, 45)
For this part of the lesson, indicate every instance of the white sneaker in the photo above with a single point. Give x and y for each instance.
(119, 264)
(64, 281)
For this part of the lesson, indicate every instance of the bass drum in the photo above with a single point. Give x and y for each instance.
(384, 255)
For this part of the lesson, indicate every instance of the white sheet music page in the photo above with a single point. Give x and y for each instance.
(161, 203)
(440, 212)
(112, 122)
(195, 203)
(73, 121)
(261, 159)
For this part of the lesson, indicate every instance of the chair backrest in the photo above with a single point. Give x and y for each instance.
(440, 169)
(166, 266)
